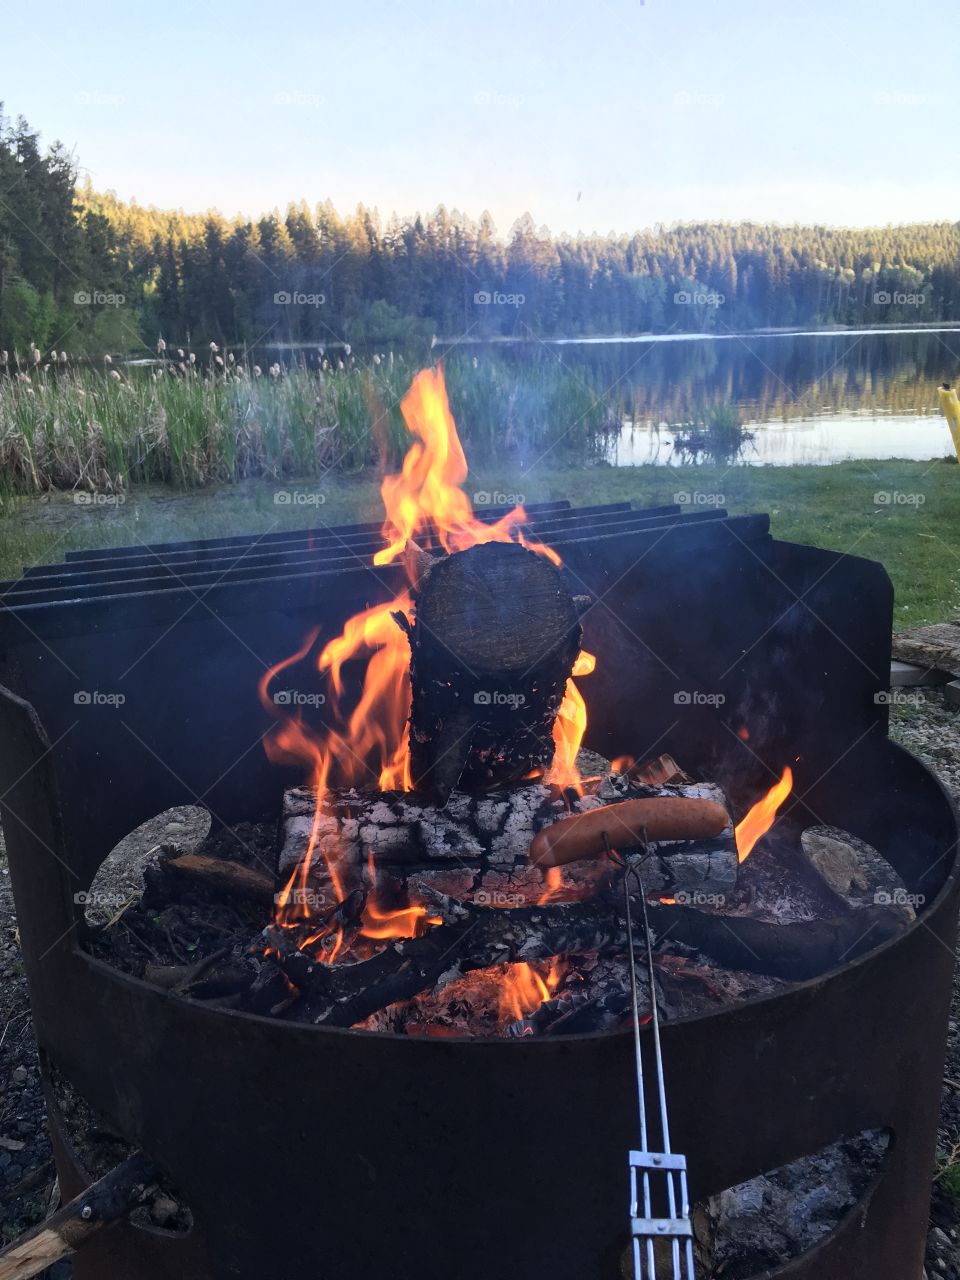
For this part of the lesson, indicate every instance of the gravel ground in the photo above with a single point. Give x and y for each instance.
(28, 1191)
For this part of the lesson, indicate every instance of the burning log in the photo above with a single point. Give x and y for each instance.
(470, 938)
(487, 837)
(494, 642)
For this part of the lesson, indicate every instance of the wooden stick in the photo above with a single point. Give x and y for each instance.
(223, 876)
(107, 1201)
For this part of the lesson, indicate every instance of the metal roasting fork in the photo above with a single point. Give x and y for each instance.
(664, 1170)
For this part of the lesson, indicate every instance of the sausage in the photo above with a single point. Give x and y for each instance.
(664, 817)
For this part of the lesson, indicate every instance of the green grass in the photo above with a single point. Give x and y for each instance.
(830, 506)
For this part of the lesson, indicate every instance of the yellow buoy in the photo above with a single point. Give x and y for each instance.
(950, 406)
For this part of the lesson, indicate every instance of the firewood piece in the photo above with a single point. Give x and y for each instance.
(793, 952)
(494, 642)
(108, 1200)
(222, 876)
(656, 772)
(347, 993)
(583, 835)
(492, 831)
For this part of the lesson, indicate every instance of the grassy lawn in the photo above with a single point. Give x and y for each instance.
(916, 535)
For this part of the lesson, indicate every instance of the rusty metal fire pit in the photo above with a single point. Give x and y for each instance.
(309, 1150)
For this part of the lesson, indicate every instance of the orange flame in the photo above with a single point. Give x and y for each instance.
(761, 817)
(425, 497)
(569, 728)
(524, 989)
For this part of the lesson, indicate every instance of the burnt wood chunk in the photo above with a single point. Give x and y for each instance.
(494, 642)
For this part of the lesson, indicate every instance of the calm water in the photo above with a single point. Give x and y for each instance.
(808, 398)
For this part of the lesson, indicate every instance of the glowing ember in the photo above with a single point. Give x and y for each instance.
(762, 815)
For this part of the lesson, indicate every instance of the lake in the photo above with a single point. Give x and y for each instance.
(809, 398)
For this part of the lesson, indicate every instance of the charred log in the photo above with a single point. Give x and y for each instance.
(470, 938)
(793, 952)
(475, 938)
(494, 642)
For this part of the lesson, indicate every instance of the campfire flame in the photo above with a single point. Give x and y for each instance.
(426, 509)
(524, 989)
(761, 817)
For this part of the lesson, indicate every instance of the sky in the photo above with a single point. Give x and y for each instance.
(591, 115)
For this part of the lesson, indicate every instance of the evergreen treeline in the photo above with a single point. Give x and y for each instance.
(312, 275)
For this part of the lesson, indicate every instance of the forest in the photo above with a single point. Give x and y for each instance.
(84, 272)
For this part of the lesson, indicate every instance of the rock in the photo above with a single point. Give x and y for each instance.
(837, 862)
(11, 1144)
(936, 646)
(164, 1211)
(19, 1075)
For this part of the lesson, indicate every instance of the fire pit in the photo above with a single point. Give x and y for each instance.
(149, 677)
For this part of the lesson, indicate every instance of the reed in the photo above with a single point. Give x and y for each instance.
(195, 422)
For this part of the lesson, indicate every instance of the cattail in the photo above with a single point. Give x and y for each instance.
(257, 371)
(180, 352)
(161, 346)
(182, 367)
(340, 364)
(23, 377)
(114, 375)
(347, 348)
(214, 348)
(376, 359)
(219, 361)
(476, 363)
(4, 358)
(63, 357)
(231, 359)
(35, 354)
(107, 360)
(193, 358)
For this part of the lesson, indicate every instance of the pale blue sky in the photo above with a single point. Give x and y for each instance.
(594, 115)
